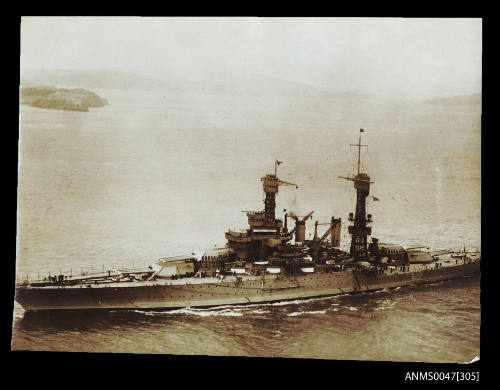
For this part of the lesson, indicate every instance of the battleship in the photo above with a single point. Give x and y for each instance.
(267, 262)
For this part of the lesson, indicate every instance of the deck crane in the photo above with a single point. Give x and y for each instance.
(334, 230)
(317, 242)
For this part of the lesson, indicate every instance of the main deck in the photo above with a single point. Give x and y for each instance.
(213, 291)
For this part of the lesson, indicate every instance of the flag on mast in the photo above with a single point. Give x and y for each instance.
(361, 130)
(279, 162)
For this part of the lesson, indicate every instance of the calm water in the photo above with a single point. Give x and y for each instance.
(154, 175)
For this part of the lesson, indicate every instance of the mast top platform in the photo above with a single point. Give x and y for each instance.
(361, 180)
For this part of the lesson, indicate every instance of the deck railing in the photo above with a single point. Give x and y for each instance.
(87, 270)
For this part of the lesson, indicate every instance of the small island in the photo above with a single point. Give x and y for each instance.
(77, 99)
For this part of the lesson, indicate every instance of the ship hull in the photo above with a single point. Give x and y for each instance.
(207, 292)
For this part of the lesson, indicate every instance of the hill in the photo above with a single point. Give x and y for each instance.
(211, 83)
(460, 100)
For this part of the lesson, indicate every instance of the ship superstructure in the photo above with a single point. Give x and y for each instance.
(265, 231)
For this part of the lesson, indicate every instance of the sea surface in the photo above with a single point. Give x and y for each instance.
(156, 174)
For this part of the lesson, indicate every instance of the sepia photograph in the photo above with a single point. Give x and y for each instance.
(271, 187)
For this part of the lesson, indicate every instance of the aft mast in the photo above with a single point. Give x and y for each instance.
(358, 230)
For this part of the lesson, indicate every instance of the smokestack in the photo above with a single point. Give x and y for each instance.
(335, 235)
(286, 223)
(300, 230)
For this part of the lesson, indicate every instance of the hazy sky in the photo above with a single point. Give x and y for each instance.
(387, 56)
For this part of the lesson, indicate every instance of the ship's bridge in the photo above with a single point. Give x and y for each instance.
(257, 220)
(238, 236)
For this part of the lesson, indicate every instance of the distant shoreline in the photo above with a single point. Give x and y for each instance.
(460, 100)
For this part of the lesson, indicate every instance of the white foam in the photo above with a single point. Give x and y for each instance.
(299, 313)
(258, 311)
(196, 312)
(234, 310)
(209, 313)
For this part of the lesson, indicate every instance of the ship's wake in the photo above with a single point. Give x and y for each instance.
(293, 308)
